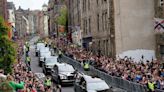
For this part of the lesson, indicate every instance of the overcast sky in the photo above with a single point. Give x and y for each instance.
(32, 4)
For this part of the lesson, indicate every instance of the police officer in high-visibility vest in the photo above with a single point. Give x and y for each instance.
(27, 46)
(26, 49)
(86, 66)
(48, 83)
(151, 86)
(54, 48)
(45, 44)
(60, 54)
(28, 60)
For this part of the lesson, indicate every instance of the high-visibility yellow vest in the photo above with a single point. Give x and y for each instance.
(151, 86)
(48, 82)
(86, 66)
(54, 46)
(60, 53)
(28, 59)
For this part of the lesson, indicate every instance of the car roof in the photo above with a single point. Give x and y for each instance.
(64, 65)
(101, 84)
(44, 49)
(91, 79)
(46, 54)
(40, 43)
(52, 57)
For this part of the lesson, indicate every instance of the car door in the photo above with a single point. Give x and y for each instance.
(55, 73)
(80, 86)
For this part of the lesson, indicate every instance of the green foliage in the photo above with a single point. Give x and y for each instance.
(62, 19)
(7, 51)
(3, 28)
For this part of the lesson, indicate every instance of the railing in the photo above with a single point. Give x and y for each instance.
(110, 80)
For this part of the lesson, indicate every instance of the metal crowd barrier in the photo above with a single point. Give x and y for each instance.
(110, 80)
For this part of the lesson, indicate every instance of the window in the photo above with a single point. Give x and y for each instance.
(102, 21)
(106, 22)
(98, 28)
(89, 25)
(88, 4)
(83, 5)
(83, 26)
(97, 2)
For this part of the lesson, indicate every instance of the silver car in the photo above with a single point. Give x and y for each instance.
(63, 73)
(43, 56)
(49, 63)
(91, 84)
(38, 47)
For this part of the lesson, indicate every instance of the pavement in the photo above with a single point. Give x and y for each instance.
(38, 70)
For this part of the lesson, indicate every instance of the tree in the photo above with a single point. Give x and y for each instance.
(62, 18)
(7, 50)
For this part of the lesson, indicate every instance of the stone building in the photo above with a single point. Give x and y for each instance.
(45, 22)
(53, 13)
(159, 13)
(3, 9)
(74, 21)
(11, 13)
(40, 23)
(96, 31)
(22, 23)
(11, 17)
(27, 22)
(112, 27)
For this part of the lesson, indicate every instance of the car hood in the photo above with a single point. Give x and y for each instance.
(91, 91)
(51, 64)
(66, 73)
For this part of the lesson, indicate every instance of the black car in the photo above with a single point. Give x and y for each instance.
(48, 64)
(63, 73)
(90, 84)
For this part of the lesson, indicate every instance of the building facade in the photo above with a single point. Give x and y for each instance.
(3, 9)
(159, 13)
(74, 21)
(95, 16)
(134, 25)
(11, 17)
(11, 13)
(53, 12)
(112, 27)
(40, 25)
(22, 24)
(45, 21)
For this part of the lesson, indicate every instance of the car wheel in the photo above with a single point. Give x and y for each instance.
(40, 64)
(43, 71)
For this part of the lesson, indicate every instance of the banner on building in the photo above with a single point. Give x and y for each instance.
(159, 25)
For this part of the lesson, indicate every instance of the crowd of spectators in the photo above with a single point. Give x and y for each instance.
(126, 68)
(22, 79)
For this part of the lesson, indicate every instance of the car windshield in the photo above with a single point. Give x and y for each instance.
(66, 69)
(43, 49)
(97, 86)
(45, 54)
(49, 60)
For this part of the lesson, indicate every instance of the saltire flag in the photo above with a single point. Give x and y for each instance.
(159, 25)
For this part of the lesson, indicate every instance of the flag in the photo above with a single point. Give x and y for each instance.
(159, 25)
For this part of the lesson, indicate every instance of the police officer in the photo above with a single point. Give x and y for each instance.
(60, 54)
(45, 44)
(28, 46)
(26, 49)
(151, 86)
(86, 66)
(47, 83)
(28, 60)
(54, 48)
